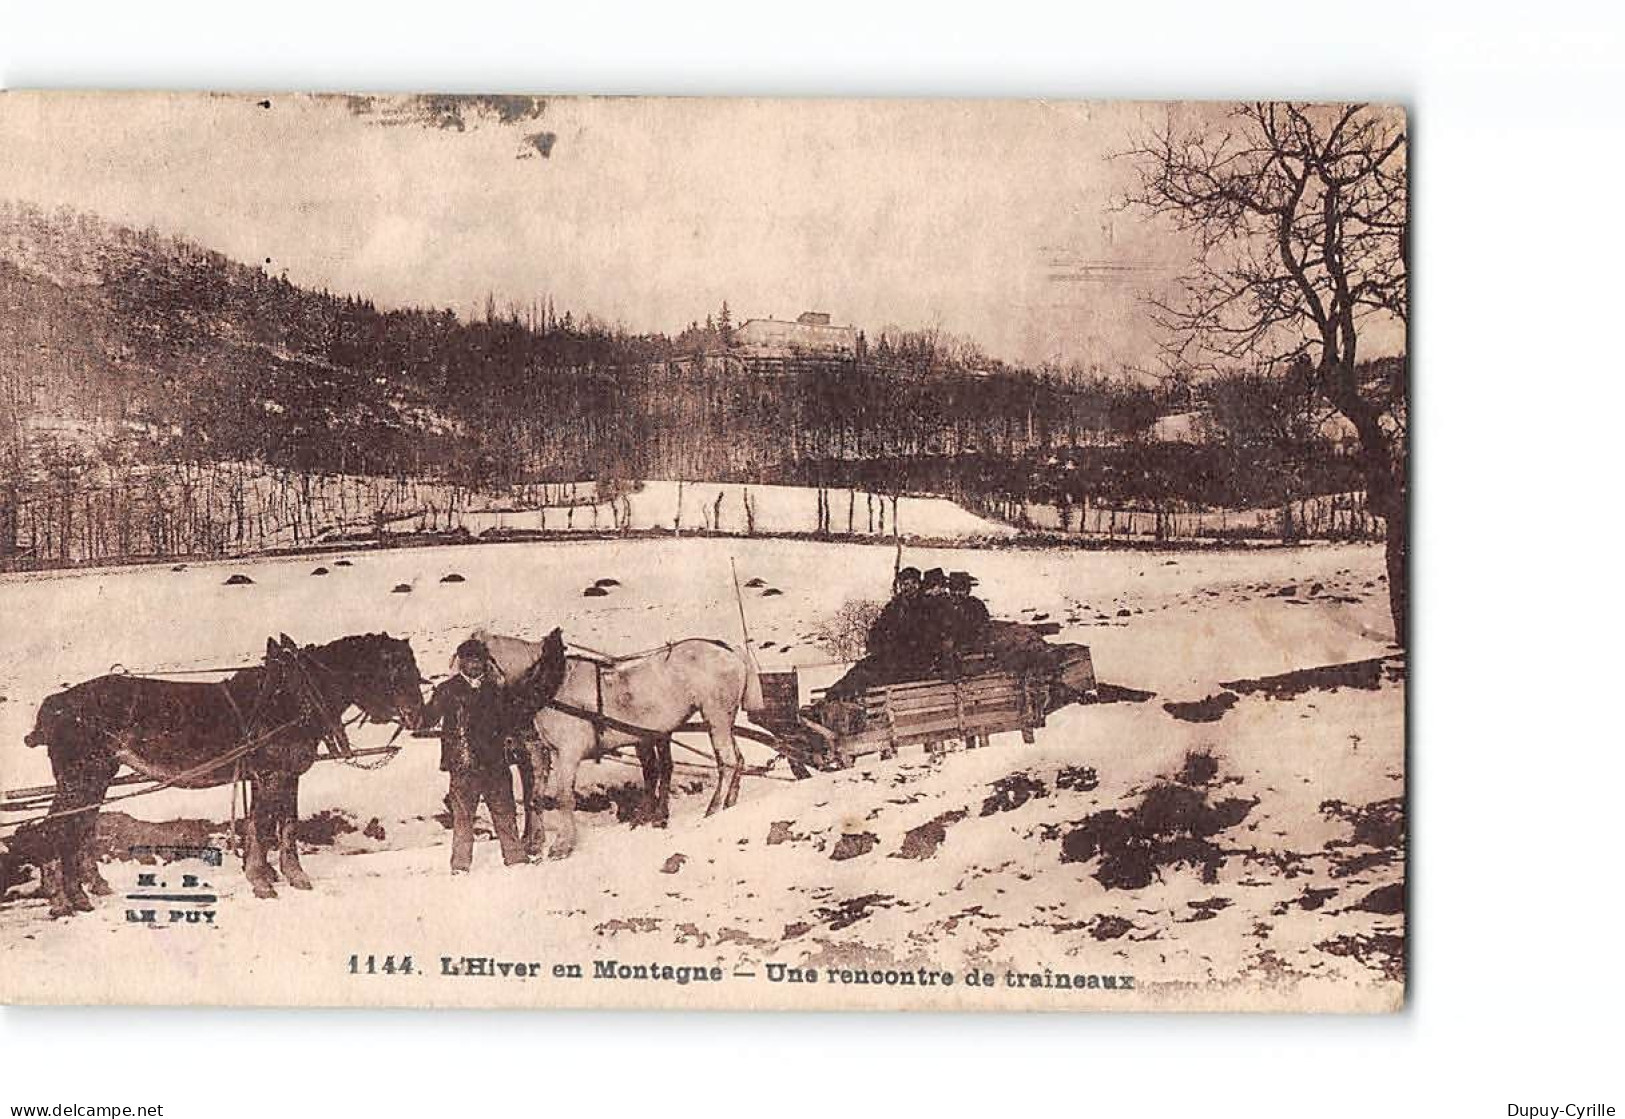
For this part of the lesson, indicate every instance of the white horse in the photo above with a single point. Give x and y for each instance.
(656, 692)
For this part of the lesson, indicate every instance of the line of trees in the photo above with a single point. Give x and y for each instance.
(157, 398)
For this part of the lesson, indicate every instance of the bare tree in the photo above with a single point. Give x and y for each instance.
(1299, 219)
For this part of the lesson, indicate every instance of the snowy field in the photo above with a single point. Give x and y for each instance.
(721, 507)
(1249, 847)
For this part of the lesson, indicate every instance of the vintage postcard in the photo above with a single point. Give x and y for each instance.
(508, 551)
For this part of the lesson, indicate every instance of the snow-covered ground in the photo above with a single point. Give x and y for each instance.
(1291, 839)
(779, 510)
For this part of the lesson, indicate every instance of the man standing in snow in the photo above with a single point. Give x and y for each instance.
(473, 720)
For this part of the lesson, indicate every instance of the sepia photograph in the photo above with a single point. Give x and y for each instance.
(519, 551)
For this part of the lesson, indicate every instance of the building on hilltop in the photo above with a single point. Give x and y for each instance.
(810, 335)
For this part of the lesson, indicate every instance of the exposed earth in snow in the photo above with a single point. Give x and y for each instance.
(1226, 827)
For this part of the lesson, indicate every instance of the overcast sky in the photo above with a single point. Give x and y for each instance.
(990, 219)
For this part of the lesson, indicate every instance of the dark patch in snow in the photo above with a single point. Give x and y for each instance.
(452, 577)
(319, 571)
(853, 844)
(627, 801)
(1208, 908)
(1078, 778)
(922, 842)
(1366, 675)
(239, 580)
(1200, 768)
(402, 588)
(1011, 792)
(594, 592)
(1171, 826)
(1384, 952)
(1379, 825)
(1117, 693)
(1388, 900)
(1107, 927)
(853, 910)
(673, 864)
(1209, 710)
(324, 828)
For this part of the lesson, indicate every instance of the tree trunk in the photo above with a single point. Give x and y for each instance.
(1399, 577)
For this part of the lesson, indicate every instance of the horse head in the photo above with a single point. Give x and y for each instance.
(375, 672)
(384, 678)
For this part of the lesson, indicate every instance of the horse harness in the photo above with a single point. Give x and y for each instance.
(599, 718)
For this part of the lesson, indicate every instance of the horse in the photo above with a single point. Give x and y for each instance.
(262, 723)
(656, 693)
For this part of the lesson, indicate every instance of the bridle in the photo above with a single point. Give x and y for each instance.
(327, 706)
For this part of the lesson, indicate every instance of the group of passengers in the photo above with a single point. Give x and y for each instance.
(929, 627)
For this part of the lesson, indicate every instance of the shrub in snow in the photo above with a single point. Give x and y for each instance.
(844, 633)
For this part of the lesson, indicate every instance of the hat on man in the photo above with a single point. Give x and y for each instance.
(961, 581)
(935, 578)
(908, 573)
(473, 648)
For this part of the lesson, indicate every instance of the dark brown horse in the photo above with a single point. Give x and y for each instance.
(262, 724)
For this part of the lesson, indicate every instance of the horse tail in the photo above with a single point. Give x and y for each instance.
(752, 700)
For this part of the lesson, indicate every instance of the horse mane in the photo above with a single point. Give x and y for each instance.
(534, 687)
(350, 643)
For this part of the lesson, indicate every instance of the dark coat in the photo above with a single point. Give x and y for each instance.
(965, 624)
(904, 636)
(474, 721)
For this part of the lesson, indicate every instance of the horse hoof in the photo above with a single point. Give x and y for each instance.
(83, 905)
(61, 909)
(100, 889)
(558, 853)
(264, 890)
(299, 881)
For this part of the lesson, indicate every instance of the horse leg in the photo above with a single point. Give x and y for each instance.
(654, 758)
(663, 782)
(51, 886)
(287, 832)
(538, 762)
(730, 764)
(649, 764)
(572, 749)
(528, 802)
(90, 870)
(80, 790)
(261, 815)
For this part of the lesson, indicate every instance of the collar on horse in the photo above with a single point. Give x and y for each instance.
(333, 733)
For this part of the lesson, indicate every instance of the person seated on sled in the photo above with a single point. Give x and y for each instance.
(964, 626)
(474, 722)
(895, 644)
